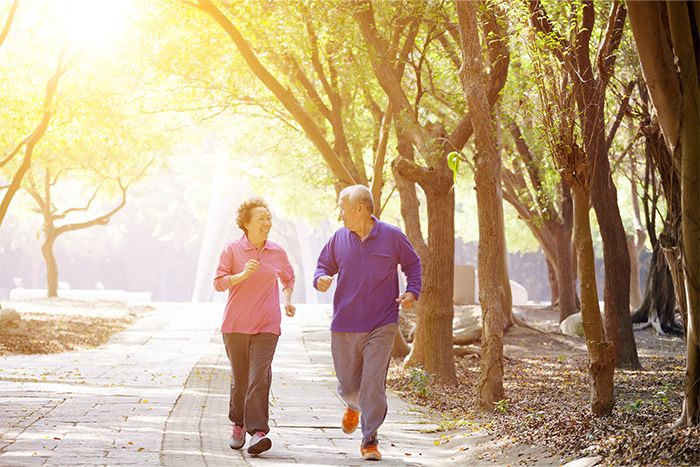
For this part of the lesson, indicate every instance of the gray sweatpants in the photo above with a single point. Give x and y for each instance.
(361, 361)
(251, 375)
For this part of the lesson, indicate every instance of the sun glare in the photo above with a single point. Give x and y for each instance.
(96, 24)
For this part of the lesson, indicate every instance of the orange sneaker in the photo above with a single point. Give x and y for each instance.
(370, 449)
(350, 420)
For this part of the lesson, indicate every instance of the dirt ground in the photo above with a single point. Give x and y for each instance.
(58, 325)
(546, 401)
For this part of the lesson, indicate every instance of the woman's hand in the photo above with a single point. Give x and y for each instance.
(250, 267)
(289, 309)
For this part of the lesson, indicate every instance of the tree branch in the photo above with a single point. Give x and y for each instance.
(378, 177)
(309, 88)
(63, 214)
(100, 220)
(500, 61)
(624, 106)
(312, 131)
(51, 86)
(412, 171)
(605, 60)
(8, 22)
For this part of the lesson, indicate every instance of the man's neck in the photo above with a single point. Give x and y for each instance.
(364, 229)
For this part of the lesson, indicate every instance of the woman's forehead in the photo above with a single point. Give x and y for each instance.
(260, 211)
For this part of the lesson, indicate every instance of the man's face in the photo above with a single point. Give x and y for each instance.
(350, 214)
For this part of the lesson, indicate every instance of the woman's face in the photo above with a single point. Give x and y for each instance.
(260, 223)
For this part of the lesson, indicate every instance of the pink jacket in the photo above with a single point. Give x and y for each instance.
(253, 305)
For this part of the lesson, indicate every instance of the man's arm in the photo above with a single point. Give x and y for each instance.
(410, 265)
(326, 267)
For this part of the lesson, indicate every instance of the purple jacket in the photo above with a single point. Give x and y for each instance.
(368, 281)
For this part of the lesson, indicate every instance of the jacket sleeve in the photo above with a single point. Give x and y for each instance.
(286, 273)
(410, 265)
(326, 264)
(224, 269)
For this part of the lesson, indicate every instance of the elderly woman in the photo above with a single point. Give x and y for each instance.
(249, 269)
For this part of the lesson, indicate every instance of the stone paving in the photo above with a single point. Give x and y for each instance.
(157, 394)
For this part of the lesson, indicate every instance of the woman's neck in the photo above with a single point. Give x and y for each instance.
(257, 242)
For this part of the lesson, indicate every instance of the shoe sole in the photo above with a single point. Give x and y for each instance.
(236, 448)
(260, 447)
(349, 432)
(372, 457)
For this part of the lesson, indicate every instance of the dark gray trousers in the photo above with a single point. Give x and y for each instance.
(251, 376)
(361, 361)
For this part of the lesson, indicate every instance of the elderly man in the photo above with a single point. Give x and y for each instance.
(365, 254)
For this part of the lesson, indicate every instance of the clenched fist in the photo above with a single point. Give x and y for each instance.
(250, 267)
(324, 283)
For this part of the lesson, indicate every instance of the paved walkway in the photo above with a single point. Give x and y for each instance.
(157, 394)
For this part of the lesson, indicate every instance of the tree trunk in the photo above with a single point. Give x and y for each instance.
(565, 273)
(494, 294)
(506, 292)
(635, 292)
(618, 325)
(685, 33)
(659, 303)
(672, 253)
(600, 352)
(435, 312)
(410, 213)
(553, 284)
(51, 264)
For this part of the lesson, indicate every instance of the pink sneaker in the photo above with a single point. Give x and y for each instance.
(237, 437)
(259, 443)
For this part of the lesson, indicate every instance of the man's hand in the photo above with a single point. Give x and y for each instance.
(250, 267)
(324, 283)
(406, 300)
(289, 309)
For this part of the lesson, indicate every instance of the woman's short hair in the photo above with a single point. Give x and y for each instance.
(358, 194)
(244, 211)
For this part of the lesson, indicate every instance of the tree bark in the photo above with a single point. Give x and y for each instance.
(618, 325)
(51, 265)
(565, 274)
(553, 283)
(431, 349)
(635, 291)
(432, 327)
(494, 296)
(659, 303)
(683, 20)
(668, 53)
(600, 352)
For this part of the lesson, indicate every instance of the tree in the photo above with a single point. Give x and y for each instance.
(315, 111)
(432, 347)
(589, 90)
(558, 122)
(487, 165)
(45, 205)
(535, 204)
(668, 43)
(30, 142)
(661, 179)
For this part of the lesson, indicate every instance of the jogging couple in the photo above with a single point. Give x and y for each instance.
(364, 255)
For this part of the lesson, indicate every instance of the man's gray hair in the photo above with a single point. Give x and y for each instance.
(358, 194)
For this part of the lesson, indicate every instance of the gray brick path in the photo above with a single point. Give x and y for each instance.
(157, 394)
